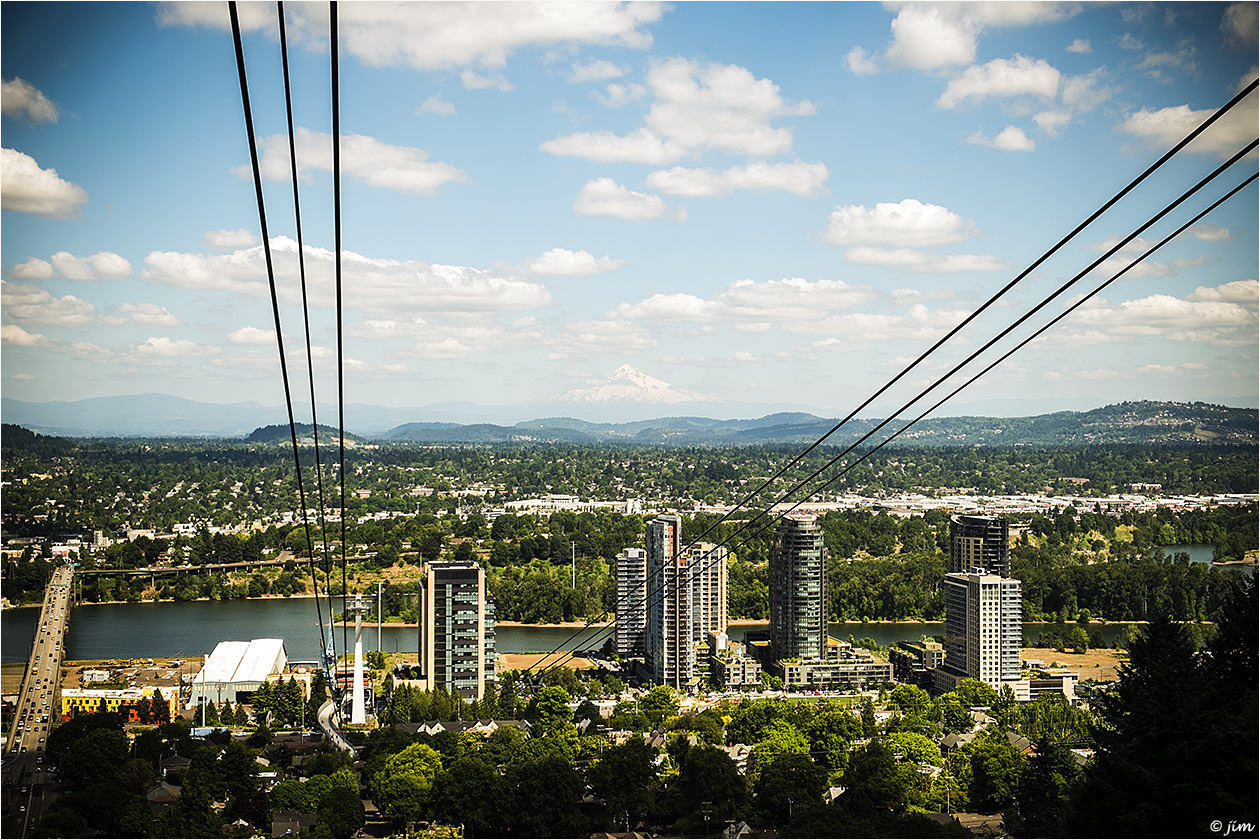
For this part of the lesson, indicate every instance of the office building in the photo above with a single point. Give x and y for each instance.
(980, 542)
(630, 569)
(457, 650)
(798, 589)
(983, 629)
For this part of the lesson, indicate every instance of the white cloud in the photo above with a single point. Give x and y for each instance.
(19, 97)
(597, 70)
(1128, 42)
(1080, 45)
(915, 260)
(1010, 139)
(1237, 291)
(1051, 122)
(917, 324)
(229, 240)
(1166, 126)
(697, 107)
(1086, 92)
(399, 168)
(859, 63)
(14, 336)
(380, 285)
(1155, 368)
(639, 146)
(675, 307)
(33, 305)
(429, 36)
(1018, 76)
(605, 197)
(1223, 316)
(1239, 22)
(909, 222)
(928, 36)
(27, 188)
(1209, 233)
(436, 105)
(23, 376)
(252, 335)
(803, 179)
(583, 338)
(565, 263)
(1180, 62)
(33, 269)
(167, 347)
(786, 300)
(745, 356)
(149, 314)
(618, 95)
(472, 80)
(100, 264)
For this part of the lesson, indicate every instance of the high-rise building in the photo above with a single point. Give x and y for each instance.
(687, 600)
(457, 644)
(798, 589)
(631, 576)
(983, 627)
(979, 542)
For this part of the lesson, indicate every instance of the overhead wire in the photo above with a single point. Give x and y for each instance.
(306, 314)
(275, 301)
(341, 389)
(677, 574)
(954, 331)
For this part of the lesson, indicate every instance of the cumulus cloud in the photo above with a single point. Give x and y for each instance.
(929, 36)
(381, 285)
(1166, 126)
(1002, 77)
(1051, 122)
(431, 36)
(21, 98)
(252, 335)
(597, 70)
(697, 106)
(1238, 291)
(803, 179)
(472, 80)
(1010, 139)
(750, 306)
(28, 188)
(617, 95)
(149, 314)
(1209, 233)
(909, 222)
(33, 305)
(1223, 316)
(165, 347)
(605, 197)
(33, 269)
(1239, 22)
(11, 335)
(565, 263)
(399, 168)
(1128, 42)
(916, 260)
(918, 323)
(436, 105)
(100, 264)
(229, 240)
(859, 63)
(583, 338)
(1080, 45)
(674, 307)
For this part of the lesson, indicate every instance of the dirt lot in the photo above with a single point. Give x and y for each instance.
(521, 661)
(1099, 664)
(11, 677)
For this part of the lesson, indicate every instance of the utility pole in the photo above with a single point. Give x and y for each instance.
(573, 561)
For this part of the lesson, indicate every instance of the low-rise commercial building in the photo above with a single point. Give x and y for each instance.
(124, 701)
(844, 666)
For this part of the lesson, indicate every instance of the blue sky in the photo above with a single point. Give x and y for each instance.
(765, 203)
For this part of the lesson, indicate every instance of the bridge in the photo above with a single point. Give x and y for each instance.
(188, 568)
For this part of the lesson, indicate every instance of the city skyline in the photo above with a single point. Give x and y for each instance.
(769, 204)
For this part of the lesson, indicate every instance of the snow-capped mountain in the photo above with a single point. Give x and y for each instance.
(630, 384)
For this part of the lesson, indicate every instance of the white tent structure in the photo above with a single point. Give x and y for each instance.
(236, 669)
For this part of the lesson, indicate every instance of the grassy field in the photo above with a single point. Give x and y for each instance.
(1098, 664)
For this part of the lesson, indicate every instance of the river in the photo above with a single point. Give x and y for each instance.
(187, 629)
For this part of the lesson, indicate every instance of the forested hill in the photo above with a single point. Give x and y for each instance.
(1124, 423)
(280, 433)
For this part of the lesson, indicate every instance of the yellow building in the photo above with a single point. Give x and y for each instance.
(75, 701)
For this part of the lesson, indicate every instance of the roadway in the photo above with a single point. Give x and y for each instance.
(24, 771)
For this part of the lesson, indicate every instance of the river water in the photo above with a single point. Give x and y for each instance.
(189, 629)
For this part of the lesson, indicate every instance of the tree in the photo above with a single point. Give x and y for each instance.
(543, 797)
(95, 757)
(340, 810)
(995, 770)
(790, 781)
(401, 789)
(873, 781)
(471, 793)
(915, 747)
(1043, 792)
(708, 778)
(778, 738)
(659, 703)
(830, 734)
(625, 778)
(552, 707)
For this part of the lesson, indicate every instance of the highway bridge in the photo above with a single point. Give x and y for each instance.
(186, 568)
(26, 775)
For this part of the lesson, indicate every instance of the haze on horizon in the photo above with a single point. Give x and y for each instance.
(765, 205)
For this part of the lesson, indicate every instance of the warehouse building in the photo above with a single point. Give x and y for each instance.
(236, 669)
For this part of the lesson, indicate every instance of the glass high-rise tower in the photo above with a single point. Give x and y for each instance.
(798, 589)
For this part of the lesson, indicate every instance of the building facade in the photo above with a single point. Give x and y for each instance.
(843, 666)
(630, 569)
(980, 542)
(457, 645)
(983, 630)
(798, 589)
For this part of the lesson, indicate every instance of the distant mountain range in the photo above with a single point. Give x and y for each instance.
(157, 415)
